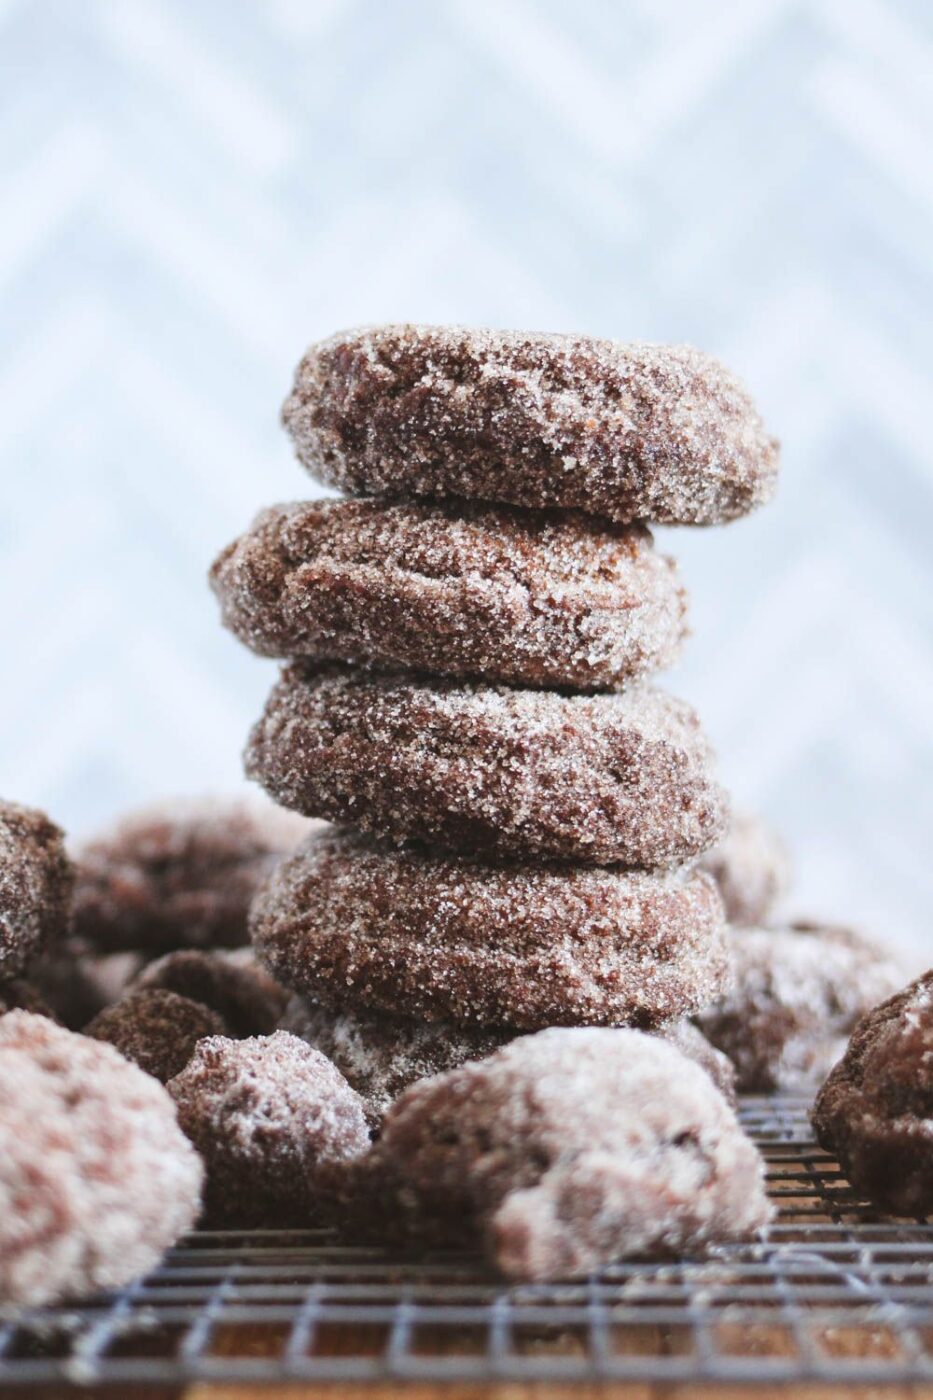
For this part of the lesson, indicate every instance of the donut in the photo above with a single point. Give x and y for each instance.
(96, 1178)
(602, 779)
(36, 880)
(752, 869)
(627, 431)
(156, 1029)
(797, 993)
(563, 1152)
(355, 923)
(527, 598)
(875, 1111)
(266, 1114)
(245, 997)
(178, 874)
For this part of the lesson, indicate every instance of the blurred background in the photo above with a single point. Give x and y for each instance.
(192, 192)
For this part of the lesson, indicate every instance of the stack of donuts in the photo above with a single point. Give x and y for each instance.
(470, 634)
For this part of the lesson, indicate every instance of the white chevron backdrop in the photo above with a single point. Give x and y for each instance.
(191, 192)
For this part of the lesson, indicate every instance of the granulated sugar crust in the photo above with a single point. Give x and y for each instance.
(96, 1178)
(875, 1112)
(36, 881)
(179, 874)
(798, 991)
(266, 1113)
(354, 923)
(563, 1152)
(604, 779)
(525, 597)
(628, 431)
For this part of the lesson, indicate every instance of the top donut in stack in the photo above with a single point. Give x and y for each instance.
(468, 638)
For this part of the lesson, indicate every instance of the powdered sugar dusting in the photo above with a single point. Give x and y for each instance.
(96, 1179)
(752, 869)
(265, 1114)
(566, 1150)
(36, 881)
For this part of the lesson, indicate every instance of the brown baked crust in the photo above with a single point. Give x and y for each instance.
(797, 992)
(355, 923)
(627, 431)
(36, 882)
(561, 1153)
(875, 1111)
(179, 874)
(156, 1029)
(601, 779)
(524, 597)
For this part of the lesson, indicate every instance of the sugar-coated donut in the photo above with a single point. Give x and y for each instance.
(525, 597)
(602, 779)
(628, 431)
(355, 923)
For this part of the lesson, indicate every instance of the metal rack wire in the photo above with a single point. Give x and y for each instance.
(833, 1294)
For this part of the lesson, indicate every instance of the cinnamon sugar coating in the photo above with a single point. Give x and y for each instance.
(36, 881)
(875, 1111)
(266, 1114)
(538, 598)
(752, 869)
(232, 983)
(179, 874)
(628, 431)
(565, 1151)
(156, 1029)
(354, 923)
(96, 1178)
(602, 779)
(798, 991)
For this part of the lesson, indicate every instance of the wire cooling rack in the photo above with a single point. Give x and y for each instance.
(833, 1294)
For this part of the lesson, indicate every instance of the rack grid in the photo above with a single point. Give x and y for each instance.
(833, 1294)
